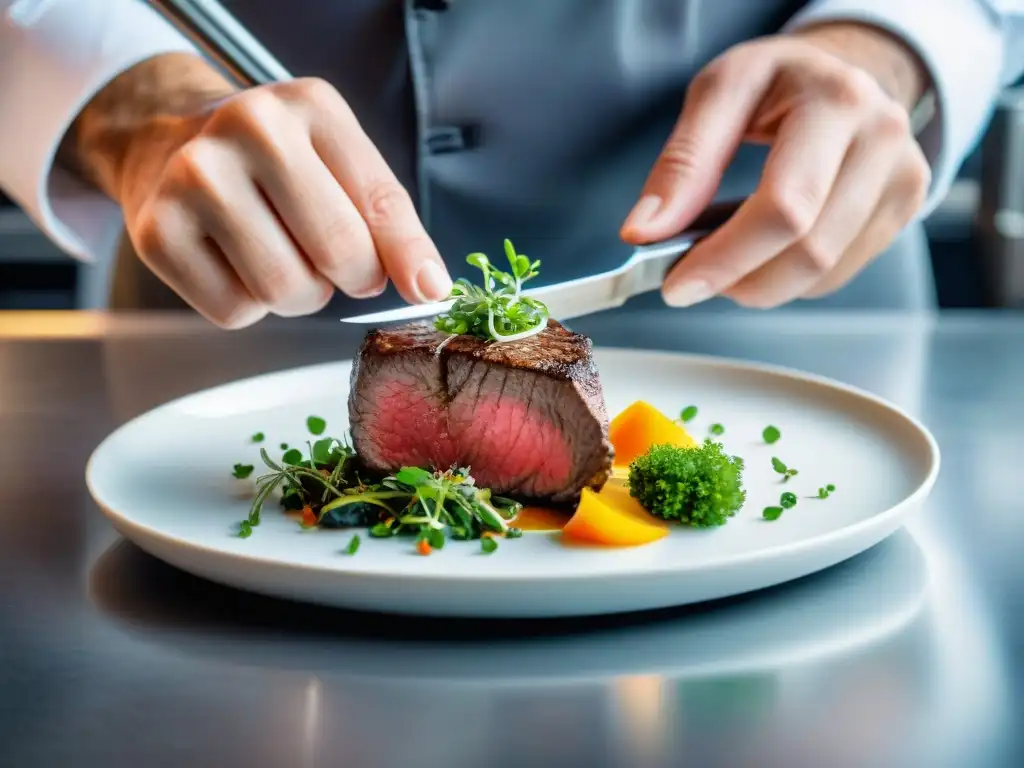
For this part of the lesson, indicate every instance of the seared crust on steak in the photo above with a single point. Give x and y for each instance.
(453, 388)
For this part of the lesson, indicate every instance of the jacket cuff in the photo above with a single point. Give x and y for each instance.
(54, 57)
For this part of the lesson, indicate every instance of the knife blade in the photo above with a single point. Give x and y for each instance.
(644, 271)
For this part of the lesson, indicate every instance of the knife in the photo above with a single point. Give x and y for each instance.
(216, 32)
(644, 271)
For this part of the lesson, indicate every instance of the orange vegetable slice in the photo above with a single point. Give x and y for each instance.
(641, 426)
(613, 518)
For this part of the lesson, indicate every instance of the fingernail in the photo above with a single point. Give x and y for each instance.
(433, 282)
(688, 293)
(643, 212)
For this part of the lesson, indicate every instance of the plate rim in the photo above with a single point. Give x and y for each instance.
(881, 521)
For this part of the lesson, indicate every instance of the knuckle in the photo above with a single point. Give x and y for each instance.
(847, 87)
(893, 122)
(817, 254)
(794, 209)
(313, 89)
(385, 203)
(343, 234)
(234, 313)
(913, 184)
(248, 109)
(279, 284)
(715, 75)
(150, 238)
(193, 165)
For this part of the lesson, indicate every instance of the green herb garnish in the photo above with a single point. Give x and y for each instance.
(783, 470)
(242, 471)
(700, 486)
(259, 437)
(353, 545)
(284, 446)
(316, 425)
(772, 513)
(824, 493)
(788, 500)
(326, 481)
(497, 311)
(488, 544)
(689, 413)
(717, 429)
(771, 434)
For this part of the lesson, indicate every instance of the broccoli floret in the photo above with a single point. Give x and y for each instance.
(700, 486)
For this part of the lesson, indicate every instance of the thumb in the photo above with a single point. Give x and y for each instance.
(719, 105)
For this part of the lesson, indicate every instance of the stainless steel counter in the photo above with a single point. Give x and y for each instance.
(909, 655)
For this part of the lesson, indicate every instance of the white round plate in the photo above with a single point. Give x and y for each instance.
(164, 480)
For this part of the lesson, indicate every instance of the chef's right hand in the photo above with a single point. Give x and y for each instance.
(270, 200)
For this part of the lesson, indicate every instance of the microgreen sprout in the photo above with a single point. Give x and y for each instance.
(497, 311)
(772, 513)
(782, 469)
(717, 429)
(771, 434)
(787, 500)
(329, 488)
(689, 414)
(242, 471)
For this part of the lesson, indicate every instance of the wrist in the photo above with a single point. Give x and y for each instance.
(890, 61)
(142, 116)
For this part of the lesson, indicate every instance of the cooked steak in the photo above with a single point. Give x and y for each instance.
(527, 417)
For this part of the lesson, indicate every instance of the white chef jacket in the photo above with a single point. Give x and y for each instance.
(56, 54)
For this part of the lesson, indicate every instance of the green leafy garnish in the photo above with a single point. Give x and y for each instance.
(788, 500)
(333, 490)
(771, 434)
(497, 311)
(782, 469)
(488, 544)
(700, 486)
(689, 413)
(316, 425)
(824, 493)
(259, 437)
(830, 488)
(772, 513)
(353, 545)
(717, 429)
(242, 471)
(284, 446)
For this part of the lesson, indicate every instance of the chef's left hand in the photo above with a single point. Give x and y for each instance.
(843, 176)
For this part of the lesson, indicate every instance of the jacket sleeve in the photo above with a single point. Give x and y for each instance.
(55, 55)
(972, 49)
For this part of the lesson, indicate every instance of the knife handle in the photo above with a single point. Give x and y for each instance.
(714, 216)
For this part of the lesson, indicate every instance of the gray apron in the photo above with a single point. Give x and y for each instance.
(536, 120)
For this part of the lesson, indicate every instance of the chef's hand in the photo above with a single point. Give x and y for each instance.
(843, 175)
(266, 201)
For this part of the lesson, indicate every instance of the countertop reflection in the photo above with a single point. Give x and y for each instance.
(907, 655)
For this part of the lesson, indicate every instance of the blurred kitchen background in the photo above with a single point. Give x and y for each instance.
(976, 235)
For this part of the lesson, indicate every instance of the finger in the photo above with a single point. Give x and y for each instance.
(798, 176)
(172, 244)
(902, 198)
(237, 216)
(718, 107)
(865, 172)
(409, 256)
(309, 201)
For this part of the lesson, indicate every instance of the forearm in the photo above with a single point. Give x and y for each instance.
(134, 111)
